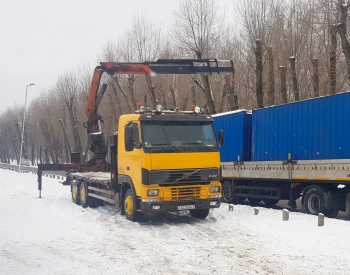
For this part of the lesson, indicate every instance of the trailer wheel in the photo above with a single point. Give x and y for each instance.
(75, 192)
(270, 202)
(199, 213)
(314, 201)
(226, 192)
(85, 200)
(130, 206)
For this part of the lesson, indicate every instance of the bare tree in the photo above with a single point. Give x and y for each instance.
(343, 7)
(316, 84)
(271, 81)
(67, 88)
(259, 74)
(283, 75)
(199, 26)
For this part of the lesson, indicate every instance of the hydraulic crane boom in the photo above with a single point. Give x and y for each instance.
(161, 66)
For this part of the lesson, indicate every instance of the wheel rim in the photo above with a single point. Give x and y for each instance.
(313, 204)
(129, 206)
(82, 194)
(74, 192)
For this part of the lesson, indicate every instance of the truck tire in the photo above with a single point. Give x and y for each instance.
(75, 192)
(270, 202)
(199, 213)
(314, 201)
(130, 206)
(85, 200)
(226, 192)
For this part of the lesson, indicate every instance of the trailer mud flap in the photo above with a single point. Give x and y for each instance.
(331, 200)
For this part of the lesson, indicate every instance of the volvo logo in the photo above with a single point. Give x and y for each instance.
(212, 176)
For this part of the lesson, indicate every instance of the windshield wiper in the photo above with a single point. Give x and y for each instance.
(168, 144)
(196, 143)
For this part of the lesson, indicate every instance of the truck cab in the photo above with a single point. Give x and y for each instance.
(169, 161)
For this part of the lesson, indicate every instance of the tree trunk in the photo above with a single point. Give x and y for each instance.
(208, 95)
(184, 106)
(193, 95)
(173, 93)
(47, 138)
(173, 96)
(315, 78)
(271, 91)
(259, 72)
(131, 81)
(15, 148)
(41, 155)
(145, 100)
(47, 158)
(223, 98)
(152, 91)
(53, 140)
(74, 121)
(68, 147)
(207, 90)
(164, 101)
(283, 73)
(119, 87)
(333, 62)
(231, 96)
(294, 79)
(119, 109)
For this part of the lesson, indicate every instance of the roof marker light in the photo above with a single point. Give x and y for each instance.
(159, 109)
(197, 110)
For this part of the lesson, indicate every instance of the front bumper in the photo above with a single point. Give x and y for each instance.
(169, 206)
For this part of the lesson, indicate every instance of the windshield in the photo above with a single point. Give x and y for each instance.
(178, 136)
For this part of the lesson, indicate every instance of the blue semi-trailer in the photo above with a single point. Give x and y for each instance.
(290, 151)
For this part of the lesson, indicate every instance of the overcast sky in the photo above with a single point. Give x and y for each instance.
(42, 39)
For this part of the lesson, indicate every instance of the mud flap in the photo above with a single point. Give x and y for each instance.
(331, 200)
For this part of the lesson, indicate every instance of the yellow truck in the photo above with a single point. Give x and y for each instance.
(160, 160)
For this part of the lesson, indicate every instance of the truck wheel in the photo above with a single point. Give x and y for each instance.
(226, 192)
(199, 213)
(313, 201)
(254, 201)
(130, 206)
(270, 202)
(85, 200)
(75, 192)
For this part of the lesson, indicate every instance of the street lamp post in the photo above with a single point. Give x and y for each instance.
(24, 119)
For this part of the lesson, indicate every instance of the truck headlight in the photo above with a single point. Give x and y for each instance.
(152, 192)
(214, 189)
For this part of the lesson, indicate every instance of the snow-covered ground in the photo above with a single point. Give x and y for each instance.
(51, 235)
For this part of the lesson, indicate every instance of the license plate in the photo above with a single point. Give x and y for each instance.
(185, 207)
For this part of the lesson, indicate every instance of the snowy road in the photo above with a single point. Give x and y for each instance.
(52, 235)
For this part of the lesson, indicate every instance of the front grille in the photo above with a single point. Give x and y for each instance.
(183, 176)
(184, 193)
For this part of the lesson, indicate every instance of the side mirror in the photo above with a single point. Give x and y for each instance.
(221, 137)
(129, 143)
